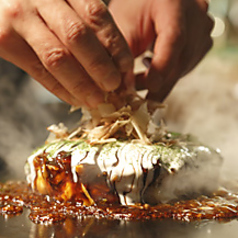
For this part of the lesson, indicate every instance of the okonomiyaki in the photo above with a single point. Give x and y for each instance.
(118, 155)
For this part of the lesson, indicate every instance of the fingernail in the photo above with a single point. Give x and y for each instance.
(94, 99)
(147, 61)
(112, 81)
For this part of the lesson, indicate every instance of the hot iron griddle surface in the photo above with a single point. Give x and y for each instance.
(21, 227)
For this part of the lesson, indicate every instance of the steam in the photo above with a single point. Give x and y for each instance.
(23, 119)
(205, 104)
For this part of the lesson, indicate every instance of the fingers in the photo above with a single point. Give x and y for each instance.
(61, 63)
(82, 43)
(16, 50)
(169, 42)
(96, 15)
(77, 50)
(13, 50)
(167, 50)
(94, 52)
(44, 57)
(177, 51)
(188, 59)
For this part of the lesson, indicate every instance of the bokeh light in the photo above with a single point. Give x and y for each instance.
(219, 27)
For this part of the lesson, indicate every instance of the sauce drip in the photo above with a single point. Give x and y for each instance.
(16, 196)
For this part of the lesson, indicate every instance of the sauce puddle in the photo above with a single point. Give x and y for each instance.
(17, 195)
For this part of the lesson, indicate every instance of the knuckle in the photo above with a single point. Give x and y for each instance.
(39, 72)
(54, 58)
(96, 12)
(96, 9)
(112, 41)
(75, 31)
(14, 10)
(118, 48)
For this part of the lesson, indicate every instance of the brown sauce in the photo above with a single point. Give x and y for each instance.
(16, 196)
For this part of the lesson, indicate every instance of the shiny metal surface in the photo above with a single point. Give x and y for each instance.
(21, 227)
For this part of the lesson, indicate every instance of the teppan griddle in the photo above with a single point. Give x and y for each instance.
(21, 227)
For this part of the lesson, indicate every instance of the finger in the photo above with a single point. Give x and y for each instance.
(140, 78)
(167, 85)
(98, 18)
(15, 50)
(82, 43)
(164, 89)
(199, 41)
(60, 63)
(188, 57)
(140, 81)
(170, 42)
(188, 60)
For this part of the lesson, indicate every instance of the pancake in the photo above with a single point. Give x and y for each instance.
(120, 155)
(124, 172)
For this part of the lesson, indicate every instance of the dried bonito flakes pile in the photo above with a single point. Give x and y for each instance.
(124, 116)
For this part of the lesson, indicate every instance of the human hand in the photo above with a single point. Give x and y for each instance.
(73, 47)
(179, 31)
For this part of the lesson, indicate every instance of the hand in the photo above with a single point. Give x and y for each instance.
(179, 31)
(73, 47)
